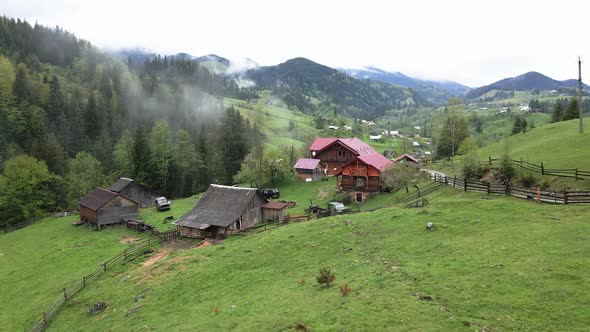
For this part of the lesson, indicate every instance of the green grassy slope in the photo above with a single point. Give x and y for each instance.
(499, 264)
(558, 145)
(36, 262)
(273, 120)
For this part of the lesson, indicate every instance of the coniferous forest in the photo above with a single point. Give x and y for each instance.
(73, 118)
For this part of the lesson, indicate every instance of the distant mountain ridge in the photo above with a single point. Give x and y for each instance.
(312, 87)
(527, 81)
(399, 78)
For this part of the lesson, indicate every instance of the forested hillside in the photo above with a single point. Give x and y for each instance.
(73, 118)
(313, 88)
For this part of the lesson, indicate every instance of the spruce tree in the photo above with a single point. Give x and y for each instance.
(141, 157)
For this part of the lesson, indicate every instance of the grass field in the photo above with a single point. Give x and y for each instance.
(501, 264)
(558, 145)
(178, 208)
(36, 262)
(274, 122)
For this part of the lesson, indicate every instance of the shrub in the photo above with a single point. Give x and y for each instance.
(344, 289)
(471, 167)
(326, 277)
(216, 310)
(301, 281)
(527, 179)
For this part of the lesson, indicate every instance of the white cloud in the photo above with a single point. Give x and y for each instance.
(470, 41)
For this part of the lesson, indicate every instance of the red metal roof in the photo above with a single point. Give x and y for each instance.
(376, 160)
(275, 205)
(321, 143)
(306, 163)
(406, 156)
(352, 143)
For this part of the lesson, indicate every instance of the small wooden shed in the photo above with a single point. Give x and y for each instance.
(104, 207)
(222, 210)
(274, 211)
(307, 168)
(135, 191)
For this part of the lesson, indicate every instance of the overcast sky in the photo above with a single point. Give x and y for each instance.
(473, 42)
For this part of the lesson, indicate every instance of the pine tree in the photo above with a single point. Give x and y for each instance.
(517, 126)
(161, 150)
(572, 111)
(141, 157)
(557, 112)
(91, 118)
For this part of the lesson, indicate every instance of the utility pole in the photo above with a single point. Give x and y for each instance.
(580, 86)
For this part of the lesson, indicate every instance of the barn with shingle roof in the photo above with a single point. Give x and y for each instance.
(130, 188)
(104, 207)
(222, 210)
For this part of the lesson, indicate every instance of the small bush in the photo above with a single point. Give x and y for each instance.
(326, 277)
(216, 310)
(301, 282)
(344, 289)
(527, 179)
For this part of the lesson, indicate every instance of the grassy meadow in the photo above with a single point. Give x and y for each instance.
(500, 264)
(36, 262)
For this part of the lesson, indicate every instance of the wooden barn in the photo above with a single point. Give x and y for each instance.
(406, 159)
(312, 169)
(135, 191)
(222, 210)
(335, 152)
(104, 207)
(361, 176)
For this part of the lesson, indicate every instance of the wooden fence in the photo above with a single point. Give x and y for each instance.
(127, 255)
(563, 197)
(429, 188)
(573, 173)
(13, 227)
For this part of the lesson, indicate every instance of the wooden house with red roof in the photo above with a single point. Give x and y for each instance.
(335, 152)
(361, 176)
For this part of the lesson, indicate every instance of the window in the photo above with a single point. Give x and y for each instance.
(360, 182)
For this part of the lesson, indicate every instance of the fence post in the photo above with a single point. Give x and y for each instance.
(564, 196)
(84, 281)
(44, 319)
(542, 169)
(465, 184)
(490, 160)
(576, 174)
(125, 252)
(454, 181)
(488, 187)
(65, 294)
(104, 266)
(446, 180)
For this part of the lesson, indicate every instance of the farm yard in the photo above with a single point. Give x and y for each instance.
(487, 265)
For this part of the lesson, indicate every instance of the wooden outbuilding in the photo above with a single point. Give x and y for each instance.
(135, 191)
(361, 176)
(312, 169)
(104, 207)
(274, 211)
(407, 159)
(221, 211)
